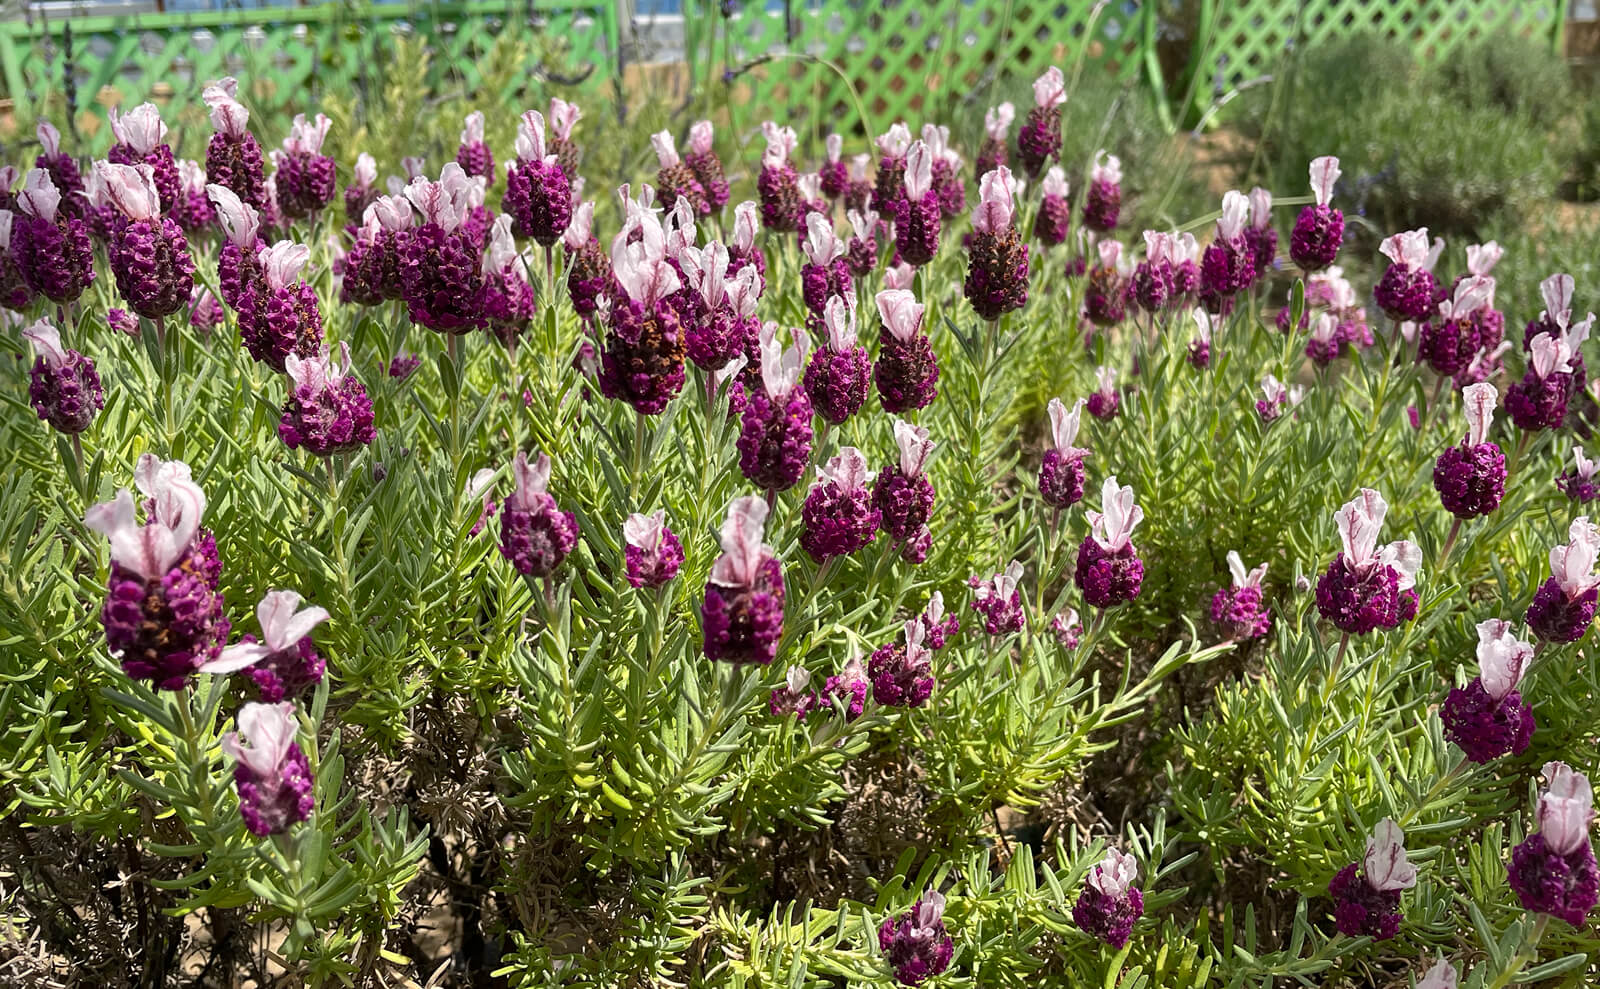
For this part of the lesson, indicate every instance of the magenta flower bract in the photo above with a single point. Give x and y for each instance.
(850, 687)
(1408, 290)
(327, 410)
(1579, 483)
(707, 167)
(775, 428)
(1554, 872)
(278, 313)
(839, 372)
(906, 372)
(1564, 605)
(535, 535)
(998, 598)
(508, 297)
(1488, 717)
(63, 170)
(238, 262)
(1110, 903)
(1366, 895)
(233, 156)
(741, 618)
(1319, 229)
(838, 514)
(149, 254)
(273, 778)
(1368, 586)
(997, 267)
(141, 139)
(305, 177)
(889, 189)
(1105, 297)
(1061, 471)
(63, 385)
(284, 664)
(992, 152)
(916, 943)
(902, 493)
(538, 190)
(441, 272)
(653, 553)
(1471, 478)
(1039, 138)
(1103, 202)
(1109, 571)
(49, 246)
(777, 187)
(472, 154)
(1239, 611)
(643, 355)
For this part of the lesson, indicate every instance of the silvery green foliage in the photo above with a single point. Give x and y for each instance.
(599, 805)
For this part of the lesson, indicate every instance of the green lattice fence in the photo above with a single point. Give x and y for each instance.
(285, 56)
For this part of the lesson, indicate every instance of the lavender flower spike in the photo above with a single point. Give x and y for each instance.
(1061, 472)
(1578, 483)
(64, 387)
(1488, 717)
(907, 372)
(238, 264)
(916, 943)
(1564, 605)
(1319, 229)
(653, 552)
(1368, 587)
(1109, 571)
(1366, 897)
(741, 618)
(327, 410)
(645, 347)
(902, 492)
(284, 663)
(535, 535)
(775, 430)
(838, 513)
(997, 269)
(149, 254)
(1471, 478)
(999, 600)
(272, 775)
(1553, 872)
(840, 371)
(1110, 903)
(1239, 610)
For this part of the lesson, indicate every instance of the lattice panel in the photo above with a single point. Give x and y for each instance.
(286, 56)
(1250, 37)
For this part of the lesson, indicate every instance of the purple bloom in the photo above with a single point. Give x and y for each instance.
(1555, 368)
(193, 210)
(1239, 610)
(233, 156)
(1104, 402)
(902, 494)
(676, 180)
(123, 322)
(793, 698)
(917, 220)
(907, 372)
(861, 254)
(1366, 895)
(741, 618)
(707, 167)
(1368, 586)
(1259, 235)
(948, 186)
(1553, 872)
(1039, 139)
(63, 170)
(1564, 605)
(272, 775)
(535, 535)
(1105, 297)
(361, 192)
(1109, 571)
(403, 365)
(653, 551)
(563, 117)
(775, 428)
(163, 616)
(1066, 628)
(742, 251)
(278, 313)
(141, 140)
(717, 312)
(916, 943)
(1578, 483)
(1471, 478)
(889, 191)
(839, 372)
(834, 175)
(838, 513)
(1408, 290)
(64, 387)
(997, 267)
(589, 276)
(1488, 718)
(643, 355)
(473, 155)
(1061, 472)
(826, 273)
(538, 189)
(508, 298)
(285, 664)
(149, 255)
(1054, 220)
(850, 686)
(999, 600)
(441, 271)
(327, 410)
(1450, 340)
(1103, 202)
(902, 672)
(778, 186)
(996, 130)
(49, 246)
(238, 263)
(305, 176)
(1110, 903)
(1227, 267)
(1276, 396)
(205, 310)
(14, 292)
(1319, 229)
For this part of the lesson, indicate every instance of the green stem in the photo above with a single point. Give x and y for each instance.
(1438, 787)
(193, 754)
(1525, 954)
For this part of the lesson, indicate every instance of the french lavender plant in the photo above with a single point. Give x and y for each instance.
(998, 598)
(904, 495)
(1227, 267)
(163, 615)
(441, 271)
(194, 211)
(1367, 586)
(1061, 470)
(1039, 139)
(642, 358)
(889, 188)
(997, 265)
(902, 671)
(834, 175)
(473, 154)
(233, 156)
(562, 118)
(777, 187)
(538, 190)
(1454, 335)
(1366, 895)
(1488, 717)
(14, 292)
(826, 273)
(278, 313)
(861, 253)
(149, 254)
(1553, 871)
(741, 618)
(1110, 903)
(916, 944)
(840, 370)
(304, 178)
(1471, 478)
(676, 180)
(238, 261)
(49, 245)
(1105, 297)
(1564, 605)
(283, 664)
(141, 139)
(996, 135)
(1105, 401)
(1260, 234)
(1109, 571)
(1102, 205)
(64, 387)
(1540, 400)
(1240, 610)
(271, 773)
(535, 534)
(917, 221)
(707, 167)
(1408, 290)
(653, 553)
(775, 428)
(838, 515)
(327, 411)
(1579, 483)
(1319, 229)
(1054, 220)
(63, 168)
(362, 190)
(906, 372)
(508, 297)
(372, 267)
(948, 185)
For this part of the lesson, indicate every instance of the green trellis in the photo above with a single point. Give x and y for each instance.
(821, 64)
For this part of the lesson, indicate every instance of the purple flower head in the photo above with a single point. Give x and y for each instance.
(1228, 267)
(997, 266)
(1366, 895)
(1319, 229)
(902, 493)
(1556, 370)
(707, 167)
(1239, 610)
(149, 255)
(193, 210)
(64, 387)
(939, 626)
(141, 139)
(1154, 279)
(1449, 341)
(1471, 478)
(278, 314)
(589, 276)
(1260, 235)
(859, 193)
(826, 272)
(1200, 344)
(902, 672)
(162, 615)
(653, 553)
(838, 513)
(1579, 483)
(850, 686)
(1103, 202)
(1368, 586)
(1104, 402)
(63, 169)
(1564, 605)
(916, 944)
(327, 410)
(1326, 342)
(1066, 628)
(834, 174)
(676, 180)
(643, 357)
(1276, 397)
(372, 267)
(996, 133)
(1105, 298)
(795, 698)
(1488, 717)
(48, 245)
(861, 252)
(1109, 571)
(948, 186)
(538, 189)
(720, 326)
(273, 778)
(14, 291)
(1408, 289)
(1054, 220)
(238, 265)
(441, 270)
(473, 155)
(123, 322)
(361, 192)
(839, 372)
(999, 600)
(1039, 139)
(1110, 903)
(777, 186)
(907, 372)
(284, 664)
(741, 618)
(889, 191)
(775, 428)
(563, 117)
(205, 310)
(305, 177)
(1061, 471)
(1553, 872)
(917, 218)
(742, 249)
(508, 298)
(535, 535)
